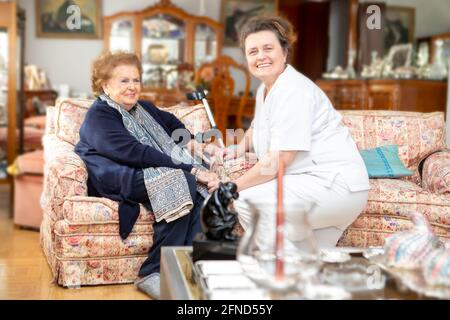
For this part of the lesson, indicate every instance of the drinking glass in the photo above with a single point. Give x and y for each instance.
(283, 259)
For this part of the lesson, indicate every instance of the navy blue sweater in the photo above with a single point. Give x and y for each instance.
(113, 156)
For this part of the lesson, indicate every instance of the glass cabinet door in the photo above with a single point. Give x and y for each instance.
(122, 36)
(163, 49)
(205, 44)
(3, 101)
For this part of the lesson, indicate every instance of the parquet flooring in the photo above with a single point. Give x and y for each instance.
(25, 274)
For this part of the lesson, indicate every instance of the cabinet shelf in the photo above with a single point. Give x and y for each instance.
(187, 30)
(12, 35)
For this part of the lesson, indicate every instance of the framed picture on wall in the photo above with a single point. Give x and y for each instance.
(399, 27)
(68, 18)
(235, 13)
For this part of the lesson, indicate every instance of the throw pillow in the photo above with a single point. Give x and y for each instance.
(384, 162)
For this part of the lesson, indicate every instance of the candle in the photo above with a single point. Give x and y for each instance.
(279, 240)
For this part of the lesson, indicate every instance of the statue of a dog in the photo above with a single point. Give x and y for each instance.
(218, 219)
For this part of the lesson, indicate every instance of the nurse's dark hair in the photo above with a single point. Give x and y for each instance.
(280, 26)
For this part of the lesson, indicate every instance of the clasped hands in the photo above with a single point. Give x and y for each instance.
(218, 155)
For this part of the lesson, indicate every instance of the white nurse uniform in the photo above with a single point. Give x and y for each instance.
(328, 170)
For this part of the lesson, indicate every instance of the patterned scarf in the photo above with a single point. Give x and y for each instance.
(167, 188)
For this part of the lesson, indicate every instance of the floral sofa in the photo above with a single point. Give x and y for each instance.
(421, 141)
(80, 234)
(80, 237)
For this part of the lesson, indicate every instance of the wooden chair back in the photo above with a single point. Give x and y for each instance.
(217, 78)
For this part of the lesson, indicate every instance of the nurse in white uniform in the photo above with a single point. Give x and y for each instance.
(296, 123)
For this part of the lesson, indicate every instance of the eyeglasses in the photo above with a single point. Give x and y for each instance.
(128, 82)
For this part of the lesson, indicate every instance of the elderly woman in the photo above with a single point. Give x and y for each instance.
(296, 123)
(131, 157)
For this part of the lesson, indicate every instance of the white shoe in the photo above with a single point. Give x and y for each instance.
(150, 285)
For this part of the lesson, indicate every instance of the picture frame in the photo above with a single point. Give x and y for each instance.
(400, 55)
(445, 48)
(399, 26)
(76, 19)
(235, 13)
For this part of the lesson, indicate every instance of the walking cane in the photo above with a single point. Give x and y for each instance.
(199, 94)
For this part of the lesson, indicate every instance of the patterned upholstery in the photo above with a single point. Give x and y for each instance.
(436, 173)
(80, 234)
(418, 136)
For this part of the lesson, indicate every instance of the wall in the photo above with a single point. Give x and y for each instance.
(432, 16)
(69, 61)
(431, 19)
(64, 61)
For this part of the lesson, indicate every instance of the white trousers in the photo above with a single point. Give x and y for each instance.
(336, 207)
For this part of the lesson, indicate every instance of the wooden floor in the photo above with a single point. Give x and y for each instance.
(24, 273)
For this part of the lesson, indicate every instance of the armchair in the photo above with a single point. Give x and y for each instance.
(80, 234)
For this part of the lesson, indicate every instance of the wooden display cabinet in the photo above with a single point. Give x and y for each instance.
(12, 39)
(164, 37)
(386, 94)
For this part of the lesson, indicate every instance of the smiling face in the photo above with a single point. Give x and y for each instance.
(266, 58)
(124, 86)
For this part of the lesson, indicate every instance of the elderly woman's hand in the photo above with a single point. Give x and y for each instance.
(204, 176)
(213, 185)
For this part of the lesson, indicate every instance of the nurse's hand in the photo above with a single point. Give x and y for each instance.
(214, 184)
(204, 176)
(231, 153)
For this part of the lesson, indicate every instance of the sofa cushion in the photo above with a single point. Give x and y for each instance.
(391, 197)
(87, 210)
(100, 240)
(36, 122)
(365, 238)
(67, 228)
(193, 117)
(391, 224)
(31, 163)
(417, 134)
(70, 114)
(383, 162)
(362, 238)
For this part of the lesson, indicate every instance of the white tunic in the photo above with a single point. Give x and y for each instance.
(297, 115)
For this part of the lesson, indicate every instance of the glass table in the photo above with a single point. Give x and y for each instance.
(178, 280)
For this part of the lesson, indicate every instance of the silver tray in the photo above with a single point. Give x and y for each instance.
(411, 279)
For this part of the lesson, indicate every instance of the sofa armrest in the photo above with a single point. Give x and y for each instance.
(436, 173)
(93, 210)
(65, 175)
